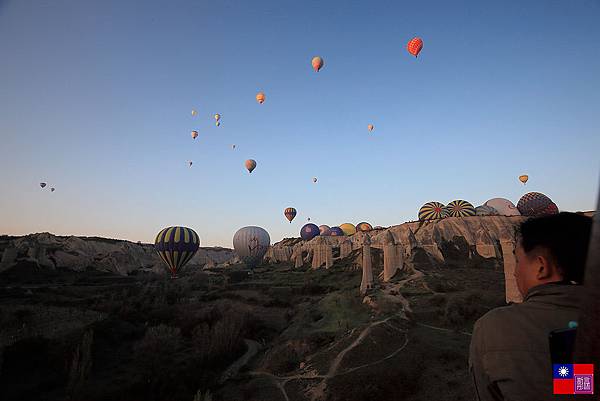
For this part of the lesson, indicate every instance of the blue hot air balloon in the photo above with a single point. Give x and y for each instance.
(309, 231)
(336, 232)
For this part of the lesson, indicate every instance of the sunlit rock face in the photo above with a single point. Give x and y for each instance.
(84, 253)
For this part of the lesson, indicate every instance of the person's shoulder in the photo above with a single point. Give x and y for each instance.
(497, 316)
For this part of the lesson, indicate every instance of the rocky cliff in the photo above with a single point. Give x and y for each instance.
(81, 253)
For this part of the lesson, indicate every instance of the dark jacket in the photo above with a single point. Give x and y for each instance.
(510, 353)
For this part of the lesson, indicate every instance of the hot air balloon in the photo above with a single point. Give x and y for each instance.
(314, 179)
(370, 127)
(459, 208)
(309, 231)
(250, 165)
(251, 244)
(503, 206)
(217, 117)
(289, 213)
(534, 204)
(260, 97)
(485, 210)
(194, 113)
(524, 178)
(176, 246)
(190, 163)
(308, 219)
(414, 46)
(194, 134)
(432, 211)
(336, 232)
(43, 184)
(317, 63)
(233, 146)
(348, 229)
(52, 189)
(364, 226)
(324, 230)
(218, 123)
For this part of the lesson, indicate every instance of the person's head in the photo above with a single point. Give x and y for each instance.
(552, 248)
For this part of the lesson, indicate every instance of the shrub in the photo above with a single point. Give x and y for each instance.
(463, 309)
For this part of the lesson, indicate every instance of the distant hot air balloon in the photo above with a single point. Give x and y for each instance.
(524, 178)
(260, 97)
(414, 46)
(348, 229)
(43, 184)
(324, 230)
(251, 244)
(250, 165)
(308, 219)
(309, 231)
(190, 163)
(460, 208)
(364, 226)
(217, 116)
(194, 134)
(52, 189)
(176, 246)
(218, 123)
(233, 146)
(370, 127)
(194, 113)
(314, 179)
(290, 213)
(336, 232)
(503, 206)
(317, 63)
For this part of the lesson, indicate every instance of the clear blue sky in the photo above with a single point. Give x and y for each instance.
(96, 100)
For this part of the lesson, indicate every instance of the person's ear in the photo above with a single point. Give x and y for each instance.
(543, 269)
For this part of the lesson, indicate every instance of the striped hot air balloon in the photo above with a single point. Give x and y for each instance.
(432, 211)
(176, 246)
(290, 213)
(459, 208)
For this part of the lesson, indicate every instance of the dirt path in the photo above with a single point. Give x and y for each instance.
(233, 369)
(443, 329)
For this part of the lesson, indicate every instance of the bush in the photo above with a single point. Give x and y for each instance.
(463, 309)
(220, 340)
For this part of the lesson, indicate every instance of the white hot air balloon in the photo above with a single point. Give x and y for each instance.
(503, 206)
(251, 243)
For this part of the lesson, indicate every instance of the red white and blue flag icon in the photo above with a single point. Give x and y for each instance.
(573, 378)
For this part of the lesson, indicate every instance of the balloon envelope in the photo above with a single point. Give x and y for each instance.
(43, 184)
(250, 165)
(370, 127)
(309, 231)
(324, 229)
(414, 46)
(503, 206)
(432, 211)
(485, 210)
(217, 116)
(290, 213)
(459, 208)
(52, 189)
(348, 228)
(194, 113)
(260, 97)
(523, 178)
(336, 232)
(534, 204)
(194, 134)
(176, 246)
(251, 243)
(314, 179)
(317, 63)
(364, 226)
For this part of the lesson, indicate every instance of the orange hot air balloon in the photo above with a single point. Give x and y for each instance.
(317, 63)
(250, 165)
(260, 97)
(414, 46)
(523, 178)
(370, 127)
(194, 134)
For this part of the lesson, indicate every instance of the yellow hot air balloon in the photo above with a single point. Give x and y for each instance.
(194, 134)
(217, 116)
(250, 165)
(523, 178)
(260, 97)
(348, 228)
(317, 63)
(218, 123)
(370, 127)
(194, 113)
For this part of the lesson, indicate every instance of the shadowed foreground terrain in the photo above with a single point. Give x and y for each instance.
(280, 334)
